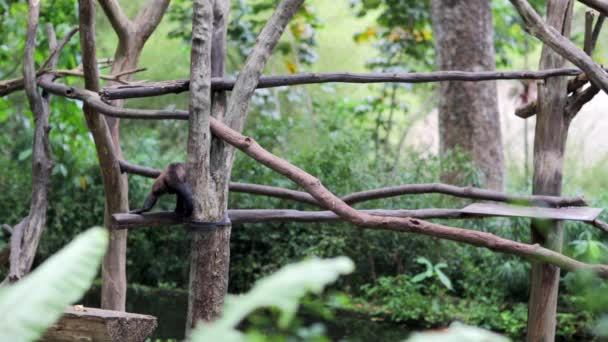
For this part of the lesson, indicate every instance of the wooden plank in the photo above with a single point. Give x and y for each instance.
(90, 324)
(499, 209)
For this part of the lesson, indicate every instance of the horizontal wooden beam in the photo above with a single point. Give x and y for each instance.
(238, 216)
(476, 210)
(584, 214)
(148, 89)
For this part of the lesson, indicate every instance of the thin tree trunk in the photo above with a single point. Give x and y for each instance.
(210, 251)
(549, 145)
(132, 35)
(27, 233)
(468, 113)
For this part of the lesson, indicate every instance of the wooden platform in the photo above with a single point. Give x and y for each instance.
(90, 324)
(585, 214)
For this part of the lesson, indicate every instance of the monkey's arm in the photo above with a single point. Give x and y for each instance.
(184, 195)
(148, 204)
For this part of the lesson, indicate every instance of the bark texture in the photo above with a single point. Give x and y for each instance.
(549, 144)
(468, 112)
(210, 251)
(132, 36)
(27, 233)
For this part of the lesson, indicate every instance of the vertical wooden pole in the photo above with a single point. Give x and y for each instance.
(549, 145)
(210, 255)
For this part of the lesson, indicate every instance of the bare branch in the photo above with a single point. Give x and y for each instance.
(119, 21)
(149, 17)
(178, 86)
(596, 32)
(464, 192)
(323, 196)
(560, 44)
(56, 50)
(410, 225)
(576, 101)
(12, 85)
(598, 5)
(249, 76)
(114, 78)
(382, 193)
(589, 16)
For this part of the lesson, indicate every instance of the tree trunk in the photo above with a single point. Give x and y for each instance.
(114, 273)
(210, 251)
(27, 233)
(132, 35)
(468, 112)
(549, 144)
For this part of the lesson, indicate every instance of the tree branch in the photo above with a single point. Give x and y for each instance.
(10, 86)
(560, 44)
(119, 21)
(598, 5)
(382, 193)
(327, 199)
(577, 100)
(149, 17)
(409, 225)
(178, 86)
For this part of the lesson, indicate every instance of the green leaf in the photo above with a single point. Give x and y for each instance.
(282, 289)
(23, 155)
(38, 300)
(442, 277)
(427, 273)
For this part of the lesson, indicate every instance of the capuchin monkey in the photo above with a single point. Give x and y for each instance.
(172, 181)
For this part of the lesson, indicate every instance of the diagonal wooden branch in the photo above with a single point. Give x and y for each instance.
(326, 198)
(577, 100)
(409, 225)
(560, 44)
(149, 17)
(119, 21)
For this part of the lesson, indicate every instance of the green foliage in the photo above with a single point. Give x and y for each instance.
(247, 20)
(281, 290)
(38, 300)
(432, 271)
(403, 35)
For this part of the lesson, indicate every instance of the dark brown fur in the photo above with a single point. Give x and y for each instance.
(171, 181)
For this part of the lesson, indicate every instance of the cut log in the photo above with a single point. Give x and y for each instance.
(90, 324)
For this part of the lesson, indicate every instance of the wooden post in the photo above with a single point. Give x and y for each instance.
(210, 255)
(549, 144)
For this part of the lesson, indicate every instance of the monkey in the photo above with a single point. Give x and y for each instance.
(173, 181)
